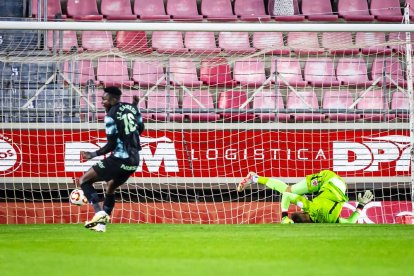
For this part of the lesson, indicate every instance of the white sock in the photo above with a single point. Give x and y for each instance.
(255, 178)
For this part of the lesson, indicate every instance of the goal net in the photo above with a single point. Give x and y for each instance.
(217, 104)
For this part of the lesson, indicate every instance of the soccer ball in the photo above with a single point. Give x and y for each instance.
(77, 197)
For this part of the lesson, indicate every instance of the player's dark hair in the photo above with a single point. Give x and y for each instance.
(301, 217)
(114, 91)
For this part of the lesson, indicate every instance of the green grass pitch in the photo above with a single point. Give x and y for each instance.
(163, 249)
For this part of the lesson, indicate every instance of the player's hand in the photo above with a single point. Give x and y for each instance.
(87, 155)
(286, 220)
(366, 198)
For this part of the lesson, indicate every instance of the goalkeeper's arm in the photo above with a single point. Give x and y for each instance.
(362, 201)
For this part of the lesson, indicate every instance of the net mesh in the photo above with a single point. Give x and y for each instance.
(216, 105)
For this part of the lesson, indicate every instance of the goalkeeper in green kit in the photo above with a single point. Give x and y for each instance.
(325, 207)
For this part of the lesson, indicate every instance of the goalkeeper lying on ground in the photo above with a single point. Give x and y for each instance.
(324, 208)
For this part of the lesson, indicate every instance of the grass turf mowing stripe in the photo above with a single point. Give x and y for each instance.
(164, 249)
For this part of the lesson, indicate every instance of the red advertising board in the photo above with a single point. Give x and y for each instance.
(214, 153)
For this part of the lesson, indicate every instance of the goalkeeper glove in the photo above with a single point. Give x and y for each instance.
(365, 199)
(286, 220)
(88, 154)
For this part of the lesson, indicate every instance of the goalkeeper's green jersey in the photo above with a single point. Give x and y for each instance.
(316, 181)
(327, 205)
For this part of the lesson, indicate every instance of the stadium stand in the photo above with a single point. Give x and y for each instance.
(353, 72)
(155, 11)
(80, 72)
(268, 99)
(354, 10)
(218, 10)
(401, 104)
(304, 43)
(386, 10)
(148, 73)
(201, 43)
(233, 100)
(282, 11)
(133, 42)
(372, 102)
(97, 40)
(63, 40)
(320, 72)
(339, 43)
(164, 103)
(54, 9)
(306, 100)
(83, 10)
(22, 42)
(183, 71)
(183, 10)
(270, 43)
(338, 103)
(15, 8)
(318, 10)
(168, 42)
(365, 41)
(113, 71)
(250, 10)
(397, 42)
(388, 71)
(249, 72)
(287, 71)
(216, 72)
(235, 43)
(190, 102)
(117, 10)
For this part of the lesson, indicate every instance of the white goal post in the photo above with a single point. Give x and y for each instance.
(192, 166)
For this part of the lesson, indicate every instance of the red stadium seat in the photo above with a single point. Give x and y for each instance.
(132, 42)
(218, 10)
(335, 102)
(372, 43)
(318, 10)
(183, 71)
(233, 100)
(205, 98)
(339, 43)
(372, 101)
(389, 71)
(168, 42)
(300, 101)
(250, 10)
(268, 99)
(162, 100)
(201, 43)
(353, 72)
(113, 71)
(397, 42)
(80, 72)
(386, 10)
(69, 41)
(354, 10)
(320, 72)
(97, 40)
(400, 102)
(147, 73)
(117, 10)
(278, 11)
(216, 72)
(155, 11)
(235, 42)
(304, 43)
(288, 72)
(53, 8)
(84, 10)
(249, 72)
(183, 10)
(271, 42)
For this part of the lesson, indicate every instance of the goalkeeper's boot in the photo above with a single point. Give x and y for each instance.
(286, 220)
(246, 182)
(101, 216)
(99, 227)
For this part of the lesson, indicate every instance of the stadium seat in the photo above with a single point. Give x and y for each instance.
(411, 3)
(80, 72)
(338, 104)
(95, 99)
(320, 72)
(233, 100)
(26, 74)
(397, 42)
(354, 10)
(372, 43)
(270, 42)
(168, 42)
(183, 10)
(201, 43)
(218, 10)
(216, 72)
(183, 71)
(5, 74)
(155, 11)
(318, 10)
(13, 9)
(249, 72)
(18, 41)
(250, 10)
(268, 99)
(97, 40)
(69, 41)
(302, 104)
(147, 73)
(235, 43)
(353, 72)
(161, 101)
(132, 42)
(113, 71)
(390, 69)
(400, 104)
(85, 10)
(339, 43)
(288, 71)
(117, 10)
(54, 9)
(386, 10)
(205, 98)
(372, 103)
(304, 43)
(278, 10)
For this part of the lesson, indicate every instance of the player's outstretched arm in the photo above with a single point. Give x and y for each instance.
(362, 201)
